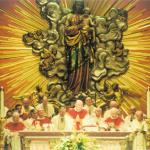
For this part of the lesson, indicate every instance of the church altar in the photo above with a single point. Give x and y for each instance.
(48, 140)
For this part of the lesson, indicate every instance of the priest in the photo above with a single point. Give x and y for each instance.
(26, 108)
(47, 107)
(139, 127)
(78, 114)
(89, 105)
(62, 121)
(130, 118)
(114, 122)
(112, 104)
(94, 122)
(30, 122)
(42, 118)
(11, 132)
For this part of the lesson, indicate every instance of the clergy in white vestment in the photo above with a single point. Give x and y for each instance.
(11, 131)
(47, 107)
(25, 110)
(41, 123)
(62, 121)
(139, 127)
(78, 114)
(30, 122)
(89, 105)
(130, 118)
(42, 118)
(115, 121)
(99, 120)
(112, 104)
(94, 120)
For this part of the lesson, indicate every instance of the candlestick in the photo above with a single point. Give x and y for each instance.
(2, 108)
(148, 103)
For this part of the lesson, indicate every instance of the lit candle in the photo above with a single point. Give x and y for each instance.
(148, 103)
(2, 108)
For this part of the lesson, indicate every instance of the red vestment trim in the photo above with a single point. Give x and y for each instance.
(15, 127)
(117, 121)
(73, 113)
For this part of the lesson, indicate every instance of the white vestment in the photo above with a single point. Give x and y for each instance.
(49, 110)
(107, 114)
(62, 123)
(90, 109)
(128, 123)
(90, 121)
(13, 139)
(28, 123)
(139, 140)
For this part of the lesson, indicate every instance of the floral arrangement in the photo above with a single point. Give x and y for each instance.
(76, 142)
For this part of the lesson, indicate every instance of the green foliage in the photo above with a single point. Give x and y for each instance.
(76, 142)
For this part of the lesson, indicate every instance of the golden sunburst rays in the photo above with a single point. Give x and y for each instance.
(137, 78)
(137, 40)
(19, 67)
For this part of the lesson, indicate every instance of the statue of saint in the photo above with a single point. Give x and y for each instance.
(78, 48)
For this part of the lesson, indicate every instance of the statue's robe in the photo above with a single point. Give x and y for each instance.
(139, 139)
(78, 117)
(77, 55)
(13, 129)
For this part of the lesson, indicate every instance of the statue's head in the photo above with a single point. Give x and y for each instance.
(86, 10)
(78, 6)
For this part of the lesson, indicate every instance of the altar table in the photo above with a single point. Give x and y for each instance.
(48, 140)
